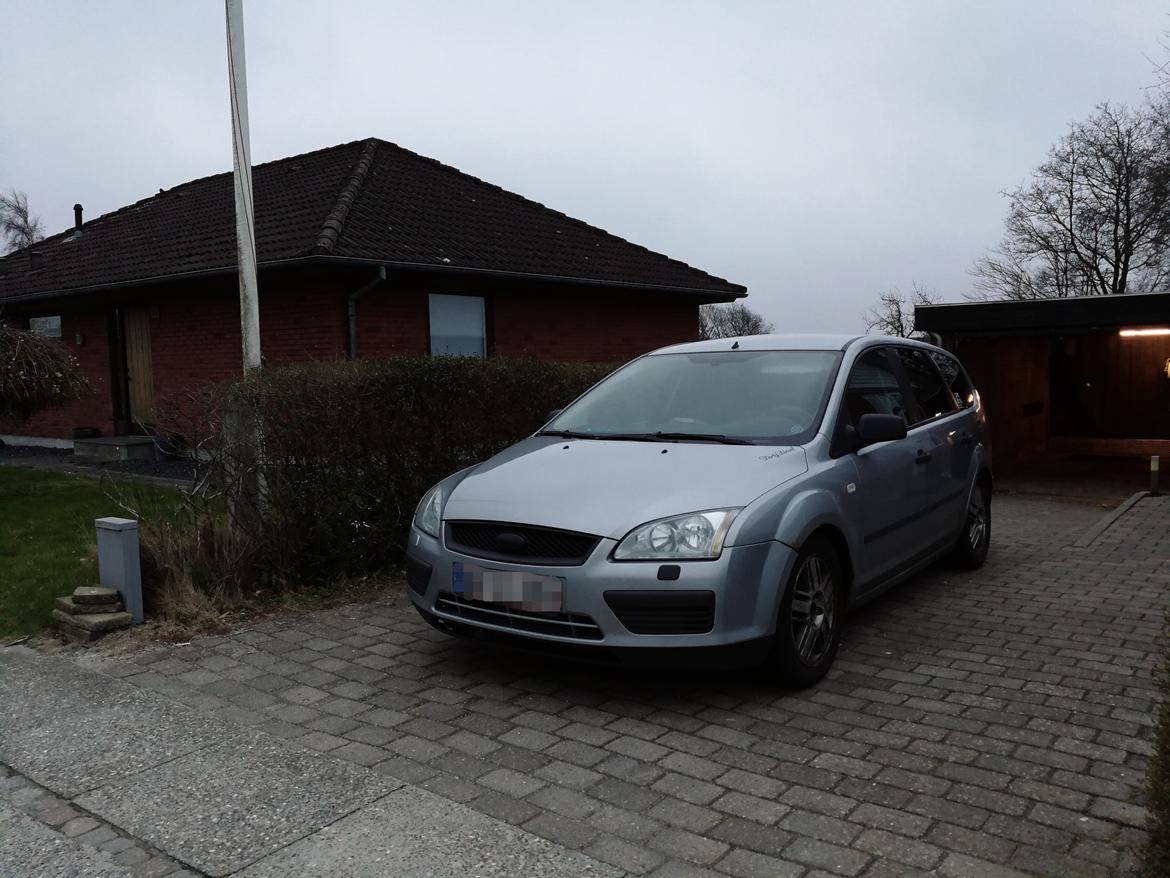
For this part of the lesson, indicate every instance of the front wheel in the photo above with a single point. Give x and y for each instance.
(808, 628)
(975, 539)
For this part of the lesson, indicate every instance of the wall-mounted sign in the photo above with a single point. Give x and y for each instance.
(50, 327)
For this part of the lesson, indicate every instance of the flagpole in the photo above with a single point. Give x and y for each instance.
(242, 155)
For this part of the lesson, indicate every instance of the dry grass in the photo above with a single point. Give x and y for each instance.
(256, 608)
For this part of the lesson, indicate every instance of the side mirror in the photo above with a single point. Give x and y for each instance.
(874, 428)
(554, 413)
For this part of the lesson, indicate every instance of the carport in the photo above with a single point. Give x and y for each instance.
(1085, 375)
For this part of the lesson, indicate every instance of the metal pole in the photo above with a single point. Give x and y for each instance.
(242, 154)
(1155, 462)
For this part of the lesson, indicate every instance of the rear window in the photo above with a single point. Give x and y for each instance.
(955, 378)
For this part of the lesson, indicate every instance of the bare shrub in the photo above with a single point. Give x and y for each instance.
(347, 449)
(35, 373)
(308, 475)
(197, 562)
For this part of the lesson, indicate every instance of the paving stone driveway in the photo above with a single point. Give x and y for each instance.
(973, 721)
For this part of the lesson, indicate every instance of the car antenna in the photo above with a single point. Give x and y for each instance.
(735, 347)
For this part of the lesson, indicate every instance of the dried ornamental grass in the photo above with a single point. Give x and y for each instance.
(35, 373)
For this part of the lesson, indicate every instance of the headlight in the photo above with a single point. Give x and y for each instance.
(426, 517)
(694, 535)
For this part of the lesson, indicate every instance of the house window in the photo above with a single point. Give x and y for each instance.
(50, 327)
(457, 326)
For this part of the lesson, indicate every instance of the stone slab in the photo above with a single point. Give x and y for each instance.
(94, 594)
(31, 848)
(73, 608)
(94, 621)
(416, 833)
(223, 807)
(116, 448)
(72, 730)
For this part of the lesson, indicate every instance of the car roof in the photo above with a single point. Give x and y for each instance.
(804, 341)
(781, 342)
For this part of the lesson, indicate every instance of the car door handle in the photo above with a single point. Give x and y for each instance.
(922, 456)
(966, 439)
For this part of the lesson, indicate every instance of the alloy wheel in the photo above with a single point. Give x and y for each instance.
(814, 610)
(976, 518)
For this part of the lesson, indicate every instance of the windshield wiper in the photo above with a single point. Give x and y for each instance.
(704, 437)
(568, 434)
(620, 437)
(659, 436)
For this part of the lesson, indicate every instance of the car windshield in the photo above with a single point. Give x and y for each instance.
(769, 397)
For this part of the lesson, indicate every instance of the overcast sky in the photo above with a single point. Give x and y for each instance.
(817, 152)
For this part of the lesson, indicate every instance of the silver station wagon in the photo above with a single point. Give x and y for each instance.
(722, 502)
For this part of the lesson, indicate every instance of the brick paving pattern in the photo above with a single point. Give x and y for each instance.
(993, 722)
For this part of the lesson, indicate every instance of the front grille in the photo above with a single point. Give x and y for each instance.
(664, 612)
(575, 625)
(520, 543)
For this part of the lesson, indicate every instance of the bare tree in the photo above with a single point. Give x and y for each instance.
(728, 321)
(894, 312)
(19, 228)
(1095, 218)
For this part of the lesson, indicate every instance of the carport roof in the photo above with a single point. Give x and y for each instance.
(1040, 316)
(365, 202)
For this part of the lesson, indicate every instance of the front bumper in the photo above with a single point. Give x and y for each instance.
(745, 581)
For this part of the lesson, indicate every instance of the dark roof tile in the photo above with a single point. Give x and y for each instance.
(368, 200)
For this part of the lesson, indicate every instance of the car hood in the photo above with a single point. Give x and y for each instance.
(606, 488)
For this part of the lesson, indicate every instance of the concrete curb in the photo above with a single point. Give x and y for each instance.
(1107, 520)
(97, 474)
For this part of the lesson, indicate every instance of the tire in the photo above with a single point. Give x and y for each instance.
(806, 641)
(975, 539)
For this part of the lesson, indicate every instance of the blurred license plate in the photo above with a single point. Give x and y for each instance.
(517, 589)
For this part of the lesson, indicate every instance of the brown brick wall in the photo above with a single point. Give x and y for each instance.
(598, 330)
(195, 334)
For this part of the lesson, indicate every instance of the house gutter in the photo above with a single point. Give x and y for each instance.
(301, 261)
(351, 308)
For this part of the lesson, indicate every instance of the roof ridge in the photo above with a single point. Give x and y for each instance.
(331, 228)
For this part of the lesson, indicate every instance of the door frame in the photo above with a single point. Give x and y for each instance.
(119, 378)
(124, 421)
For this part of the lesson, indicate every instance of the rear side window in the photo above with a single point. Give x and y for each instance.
(931, 397)
(873, 388)
(955, 378)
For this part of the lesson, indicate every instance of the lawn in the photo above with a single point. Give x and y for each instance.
(47, 545)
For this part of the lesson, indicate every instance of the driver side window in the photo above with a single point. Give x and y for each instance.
(873, 388)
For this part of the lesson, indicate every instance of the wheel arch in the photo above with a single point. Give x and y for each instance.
(836, 538)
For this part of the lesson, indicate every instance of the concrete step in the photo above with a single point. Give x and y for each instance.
(116, 448)
(73, 608)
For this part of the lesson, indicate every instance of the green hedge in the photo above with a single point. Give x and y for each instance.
(350, 447)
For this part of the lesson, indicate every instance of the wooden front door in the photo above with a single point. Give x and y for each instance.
(139, 373)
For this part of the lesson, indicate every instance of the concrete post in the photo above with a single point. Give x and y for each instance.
(118, 567)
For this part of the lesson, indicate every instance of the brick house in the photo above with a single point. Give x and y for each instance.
(365, 249)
